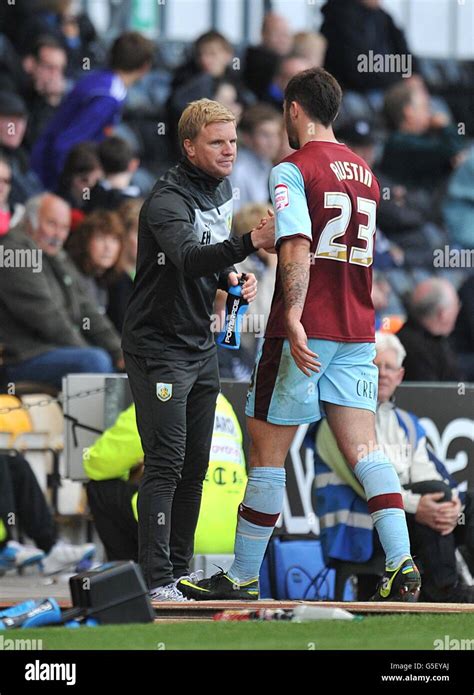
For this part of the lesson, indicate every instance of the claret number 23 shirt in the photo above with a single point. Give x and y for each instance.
(327, 194)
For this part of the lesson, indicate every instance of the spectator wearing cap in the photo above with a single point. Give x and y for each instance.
(261, 62)
(13, 122)
(261, 136)
(119, 163)
(93, 106)
(49, 326)
(10, 214)
(432, 312)
(45, 65)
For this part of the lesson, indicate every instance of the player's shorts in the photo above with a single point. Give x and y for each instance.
(280, 393)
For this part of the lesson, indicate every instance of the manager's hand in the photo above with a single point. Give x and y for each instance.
(249, 288)
(263, 235)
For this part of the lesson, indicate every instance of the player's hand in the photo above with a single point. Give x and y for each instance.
(263, 235)
(249, 288)
(305, 359)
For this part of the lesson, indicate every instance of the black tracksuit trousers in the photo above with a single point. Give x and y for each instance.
(175, 427)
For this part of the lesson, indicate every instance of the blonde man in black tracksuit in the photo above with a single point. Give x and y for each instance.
(184, 255)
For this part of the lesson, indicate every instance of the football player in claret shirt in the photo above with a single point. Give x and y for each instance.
(317, 357)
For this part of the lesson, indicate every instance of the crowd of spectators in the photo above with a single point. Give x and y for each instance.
(85, 129)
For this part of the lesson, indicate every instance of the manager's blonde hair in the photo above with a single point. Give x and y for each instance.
(201, 113)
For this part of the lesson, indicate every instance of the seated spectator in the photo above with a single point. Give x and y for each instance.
(120, 289)
(13, 122)
(458, 205)
(119, 163)
(48, 324)
(287, 67)
(405, 216)
(422, 148)
(463, 335)
(58, 18)
(209, 75)
(430, 496)
(21, 496)
(45, 66)
(82, 170)
(112, 461)
(432, 312)
(227, 94)
(93, 106)
(10, 215)
(311, 47)
(95, 247)
(12, 75)
(260, 142)
(383, 301)
(222, 90)
(359, 28)
(261, 61)
(211, 55)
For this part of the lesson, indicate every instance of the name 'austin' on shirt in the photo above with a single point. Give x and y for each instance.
(327, 194)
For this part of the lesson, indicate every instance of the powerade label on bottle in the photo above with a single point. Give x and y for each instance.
(236, 306)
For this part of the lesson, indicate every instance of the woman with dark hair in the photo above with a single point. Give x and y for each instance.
(82, 170)
(95, 247)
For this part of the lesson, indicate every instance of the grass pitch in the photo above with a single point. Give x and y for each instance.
(392, 632)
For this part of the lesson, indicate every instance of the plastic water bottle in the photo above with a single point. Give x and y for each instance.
(236, 306)
(44, 612)
(305, 613)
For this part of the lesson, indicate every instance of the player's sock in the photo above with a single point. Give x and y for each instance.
(382, 489)
(258, 515)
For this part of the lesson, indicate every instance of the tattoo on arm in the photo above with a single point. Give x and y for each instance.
(295, 279)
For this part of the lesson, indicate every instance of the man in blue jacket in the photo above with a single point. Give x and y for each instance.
(438, 519)
(93, 106)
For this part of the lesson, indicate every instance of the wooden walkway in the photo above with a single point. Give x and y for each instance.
(205, 610)
(15, 589)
